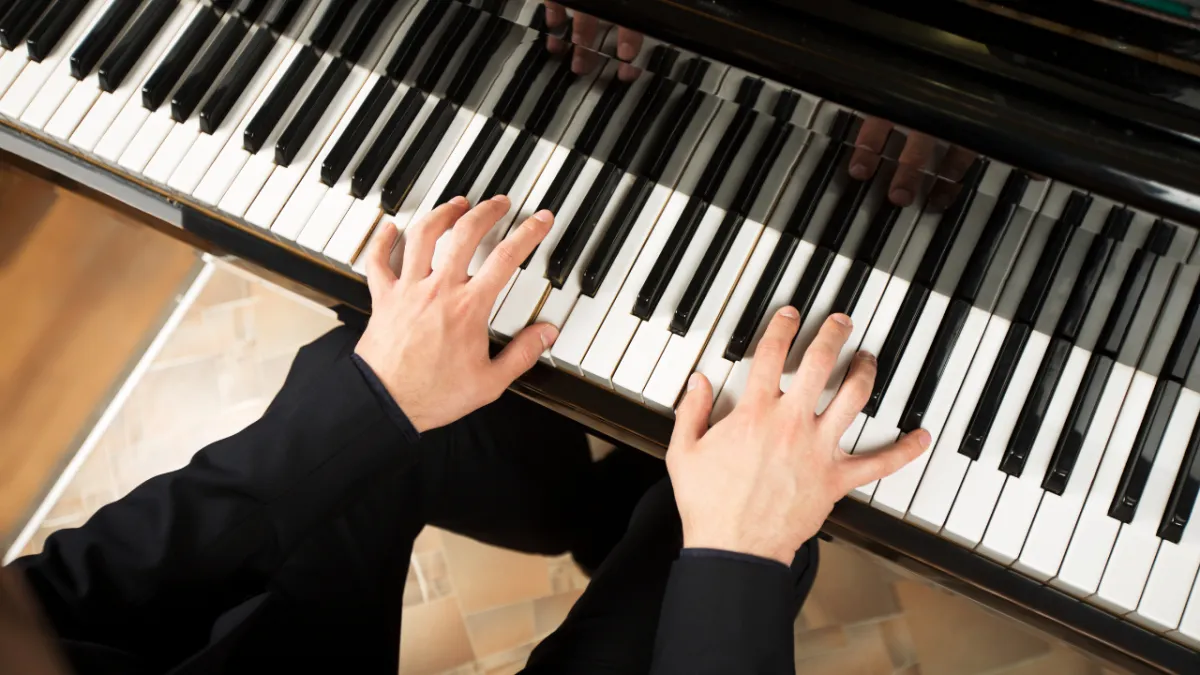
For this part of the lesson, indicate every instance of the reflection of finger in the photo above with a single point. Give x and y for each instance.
(915, 160)
(584, 61)
(943, 194)
(906, 183)
(871, 139)
(956, 163)
(628, 73)
(555, 45)
(584, 37)
(629, 44)
(556, 15)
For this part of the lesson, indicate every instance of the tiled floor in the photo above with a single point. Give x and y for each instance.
(474, 609)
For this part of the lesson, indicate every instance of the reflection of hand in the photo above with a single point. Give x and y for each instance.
(763, 479)
(585, 29)
(427, 339)
(914, 161)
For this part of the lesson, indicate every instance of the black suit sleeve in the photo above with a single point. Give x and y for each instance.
(148, 574)
(725, 614)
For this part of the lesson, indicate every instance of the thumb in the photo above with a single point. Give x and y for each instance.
(691, 417)
(523, 351)
(862, 469)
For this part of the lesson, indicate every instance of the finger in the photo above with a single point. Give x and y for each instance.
(691, 417)
(629, 44)
(627, 72)
(379, 254)
(869, 147)
(421, 239)
(466, 234)
(859, 470)
(853, 394)
(522, 353)
(771, 352)
(818, 362)
(584, 38)
(556, 15)
(915, 161)
(504, 261)
(954, 168)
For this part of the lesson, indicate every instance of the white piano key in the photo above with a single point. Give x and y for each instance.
(589, 314)
(334, 205)
(1057, 514)
(1020, 497)
(895, 492)
(860, 316)
(731, 392)
(1137, 542)
(11, 65)
(531, 285)
(42, 87)
(74, 108)
(410, 207)
(946, 467)
(1189, 626)
(147, 140)
(981, 487)
(1095, 532)
(173, 149)
(284, 179)
(1171, 578)
(712, 362)
(651, 337)
(680, 356)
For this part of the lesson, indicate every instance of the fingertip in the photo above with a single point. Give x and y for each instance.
(545, 217)
(460, 201)
(842, 320)
(900, 197)
(790, 313)
(924, 438)
(548, 334)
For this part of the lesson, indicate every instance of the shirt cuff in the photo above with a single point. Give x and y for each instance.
(729, 555)
(394, 413)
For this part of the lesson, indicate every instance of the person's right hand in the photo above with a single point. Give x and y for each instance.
(584, 31)
(764, 478)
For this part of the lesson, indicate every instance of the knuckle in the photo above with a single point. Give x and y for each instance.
(822, 358)
(772, 348)
(505, 255)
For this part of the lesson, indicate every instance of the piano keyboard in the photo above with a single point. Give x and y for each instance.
(1044, 336)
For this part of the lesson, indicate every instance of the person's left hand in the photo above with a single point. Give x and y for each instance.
(585, 30)
(427, 339)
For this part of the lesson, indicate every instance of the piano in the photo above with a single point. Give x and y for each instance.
(1004, 196)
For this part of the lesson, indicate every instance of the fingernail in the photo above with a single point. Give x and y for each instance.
(867, 356)
(789, 312)
(843, 320)
(549, 334)
(544, 216)
(859, 172)
(500, 199)
(460, 201)
(578, 65)
(924, 438)
(693, 381)
(901, 197)
(626, 51)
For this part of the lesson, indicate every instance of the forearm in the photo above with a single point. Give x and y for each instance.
(726, 614)
(187, 545)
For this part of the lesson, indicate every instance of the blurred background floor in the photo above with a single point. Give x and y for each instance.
(469, 608)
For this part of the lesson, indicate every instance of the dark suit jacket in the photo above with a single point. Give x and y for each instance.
(177, 576)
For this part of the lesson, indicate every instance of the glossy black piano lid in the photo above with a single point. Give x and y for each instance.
(947, 66)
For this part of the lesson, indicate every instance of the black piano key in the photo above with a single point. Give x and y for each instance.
(400, 183)
(420, 31)
(329, 24)
(204, 74)
(480, 53)
(706, 272)
(993, 391)
(1187, 339)
(365, 29)
(852, 287)
(599, 118)
(385, 144)
(731, 142)
(832, 158)
(347, 145)
(810, 282)
(100, 38)
(551, 100)
(556, 194)
(280, 98)
(250, 10)
(880, 229)
(1083, 410)
(134, 43)
(570, 246)
(1129, 296)
(170, 71)
(221, 5)
(510, 167)
(1183, 492)
(1053, 251)
(948, 227)
(1145, 449)
(470, 166)
(756, 307)
(1034, 411)
(993, 233)
(764, 160)
(296, 134)
(233, 86)
(614, 236)
(53, 25)
(18, 21)
(521, 83)
(649, 107)
(668, 260)
(285, 13)
(1092, 273)
(935, 365)
(895, 344)
(452, 39)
